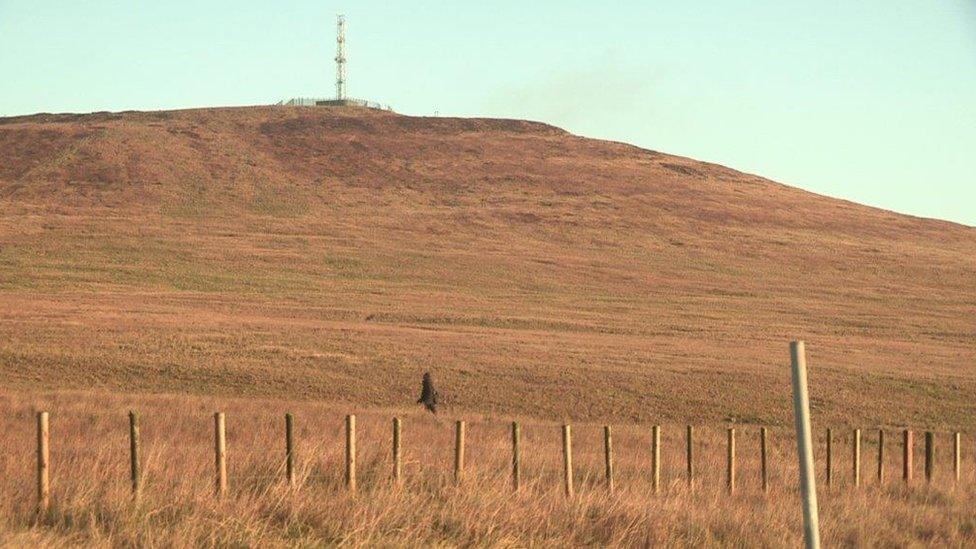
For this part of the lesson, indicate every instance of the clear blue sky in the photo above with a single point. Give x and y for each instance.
(870, 100)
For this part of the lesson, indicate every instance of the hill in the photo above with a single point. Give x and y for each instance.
(304, 253)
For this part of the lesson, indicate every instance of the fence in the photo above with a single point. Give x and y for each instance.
(315, 101)
(689, 452)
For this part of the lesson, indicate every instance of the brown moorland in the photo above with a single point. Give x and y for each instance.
(336, 254)
(258, 260)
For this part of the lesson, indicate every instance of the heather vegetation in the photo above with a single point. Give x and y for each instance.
(259, 260)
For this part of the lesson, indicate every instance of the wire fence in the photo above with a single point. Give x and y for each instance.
(698, 454)
(322, 101)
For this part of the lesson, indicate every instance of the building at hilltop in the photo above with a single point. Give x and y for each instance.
(340, 99)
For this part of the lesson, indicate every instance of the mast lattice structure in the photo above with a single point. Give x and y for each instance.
(340, 57)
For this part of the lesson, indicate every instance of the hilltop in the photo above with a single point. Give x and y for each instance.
(306, 253)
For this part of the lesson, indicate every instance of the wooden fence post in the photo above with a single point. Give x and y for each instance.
(957, 455)
(568, 460)
(907, 455)
(220, 454)
(763, 458)
(830, 456)
(459, 451)
(43, 463)
(351, 452)
(608, 456)
(690, 454)
(929, 456)
(881, 455)
(656, 457)
(134, 471)
(516, 456)
(290, 449)
(730, 462)
(856, 461)
(397, 458)
(804, 445)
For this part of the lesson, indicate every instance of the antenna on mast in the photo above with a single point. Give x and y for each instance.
(340, 99)
(340, 57)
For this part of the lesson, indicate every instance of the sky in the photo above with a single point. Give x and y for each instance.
(869, 100)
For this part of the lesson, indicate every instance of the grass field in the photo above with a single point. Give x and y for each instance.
(92, 506)
(336, 256)
(327, 258)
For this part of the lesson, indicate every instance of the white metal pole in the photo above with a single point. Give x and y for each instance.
(340, 57)
(804, 445)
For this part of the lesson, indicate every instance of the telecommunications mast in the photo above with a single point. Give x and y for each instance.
(340, 57)
(340, 99)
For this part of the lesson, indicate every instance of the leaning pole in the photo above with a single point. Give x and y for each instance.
(804, 446)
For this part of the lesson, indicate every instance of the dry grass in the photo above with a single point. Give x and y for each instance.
(336, 255)
(92, 504)
(318, 255)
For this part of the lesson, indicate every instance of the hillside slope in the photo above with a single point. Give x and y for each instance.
(337, 254)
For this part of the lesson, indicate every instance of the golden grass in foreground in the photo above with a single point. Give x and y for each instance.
(91, 503)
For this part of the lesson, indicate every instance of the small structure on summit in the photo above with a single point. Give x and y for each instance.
(340, 99)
